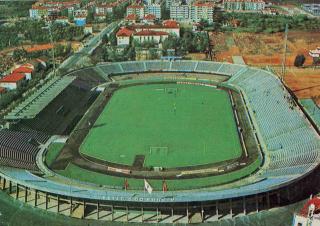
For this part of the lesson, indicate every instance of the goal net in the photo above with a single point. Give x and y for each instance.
(171, 90)
(158, 150)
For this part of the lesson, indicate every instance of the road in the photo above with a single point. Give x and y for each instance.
(91, 45)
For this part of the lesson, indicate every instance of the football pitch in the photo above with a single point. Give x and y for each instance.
(167, 125)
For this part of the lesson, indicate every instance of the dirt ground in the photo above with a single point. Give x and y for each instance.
(262, 50)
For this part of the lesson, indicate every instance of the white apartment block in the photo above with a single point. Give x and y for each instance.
(195, 12)
(201, 11)
(179, 12)
(154, 9)
(137, 10)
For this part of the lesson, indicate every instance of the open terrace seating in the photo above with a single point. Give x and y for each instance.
(187, 66)
(136, 66)
(292, 145)
(157, 65)
(20, 146)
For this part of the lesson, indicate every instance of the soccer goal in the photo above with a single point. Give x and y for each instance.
(171, 90)
(158, 150)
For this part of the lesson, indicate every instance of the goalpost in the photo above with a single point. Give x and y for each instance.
(158, 150)
(171, 90)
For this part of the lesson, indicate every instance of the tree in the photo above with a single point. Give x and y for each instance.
(153, 54)
(19, 54)
(299, 60)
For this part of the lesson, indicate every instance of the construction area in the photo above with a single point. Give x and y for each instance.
(262, 50)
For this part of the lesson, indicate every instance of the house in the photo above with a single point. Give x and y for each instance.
(38, 12)
(123, 36)
(12, 81)
(147, 32)
(88, 29)
(99, 16)
(62, 20)
(104, 8)
(80, 13)
(150, 36)
(26, 71)
(149, 19)
(37, 48)
(42, 62)
(137, 10)
(131, 18)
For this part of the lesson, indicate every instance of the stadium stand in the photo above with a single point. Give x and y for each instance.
(289, 143)
(129, 67)
(31, 106)
(109, 69)
(63, 113)
(208, 67)
(157, 65)
(183, 66)
(292, 144)
(19, 148)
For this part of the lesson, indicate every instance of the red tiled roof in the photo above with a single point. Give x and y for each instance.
(131, 17)
(39, 7)
(12, 78)
(23, 70)
(135, 6)
(170, 24)
(151, 33)
(207, 4)
(111, 5)
(149, 17)
(28, 65)
(257, 1)
(152, 26)
(36, 48)
(124, 32)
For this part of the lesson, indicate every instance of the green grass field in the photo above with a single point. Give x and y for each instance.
(191, 125)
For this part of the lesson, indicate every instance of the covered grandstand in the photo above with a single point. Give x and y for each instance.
(289, 145)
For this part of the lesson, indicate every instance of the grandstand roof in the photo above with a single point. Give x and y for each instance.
(33, 104)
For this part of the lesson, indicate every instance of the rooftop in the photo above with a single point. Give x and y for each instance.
(36, 48)
(23, 70)
(12, 78)
(124, 32)
(131, 17)
(151, 33)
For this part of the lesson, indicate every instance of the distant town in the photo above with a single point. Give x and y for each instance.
(50, 32)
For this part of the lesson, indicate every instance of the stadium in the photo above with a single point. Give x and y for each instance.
(159, 142)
